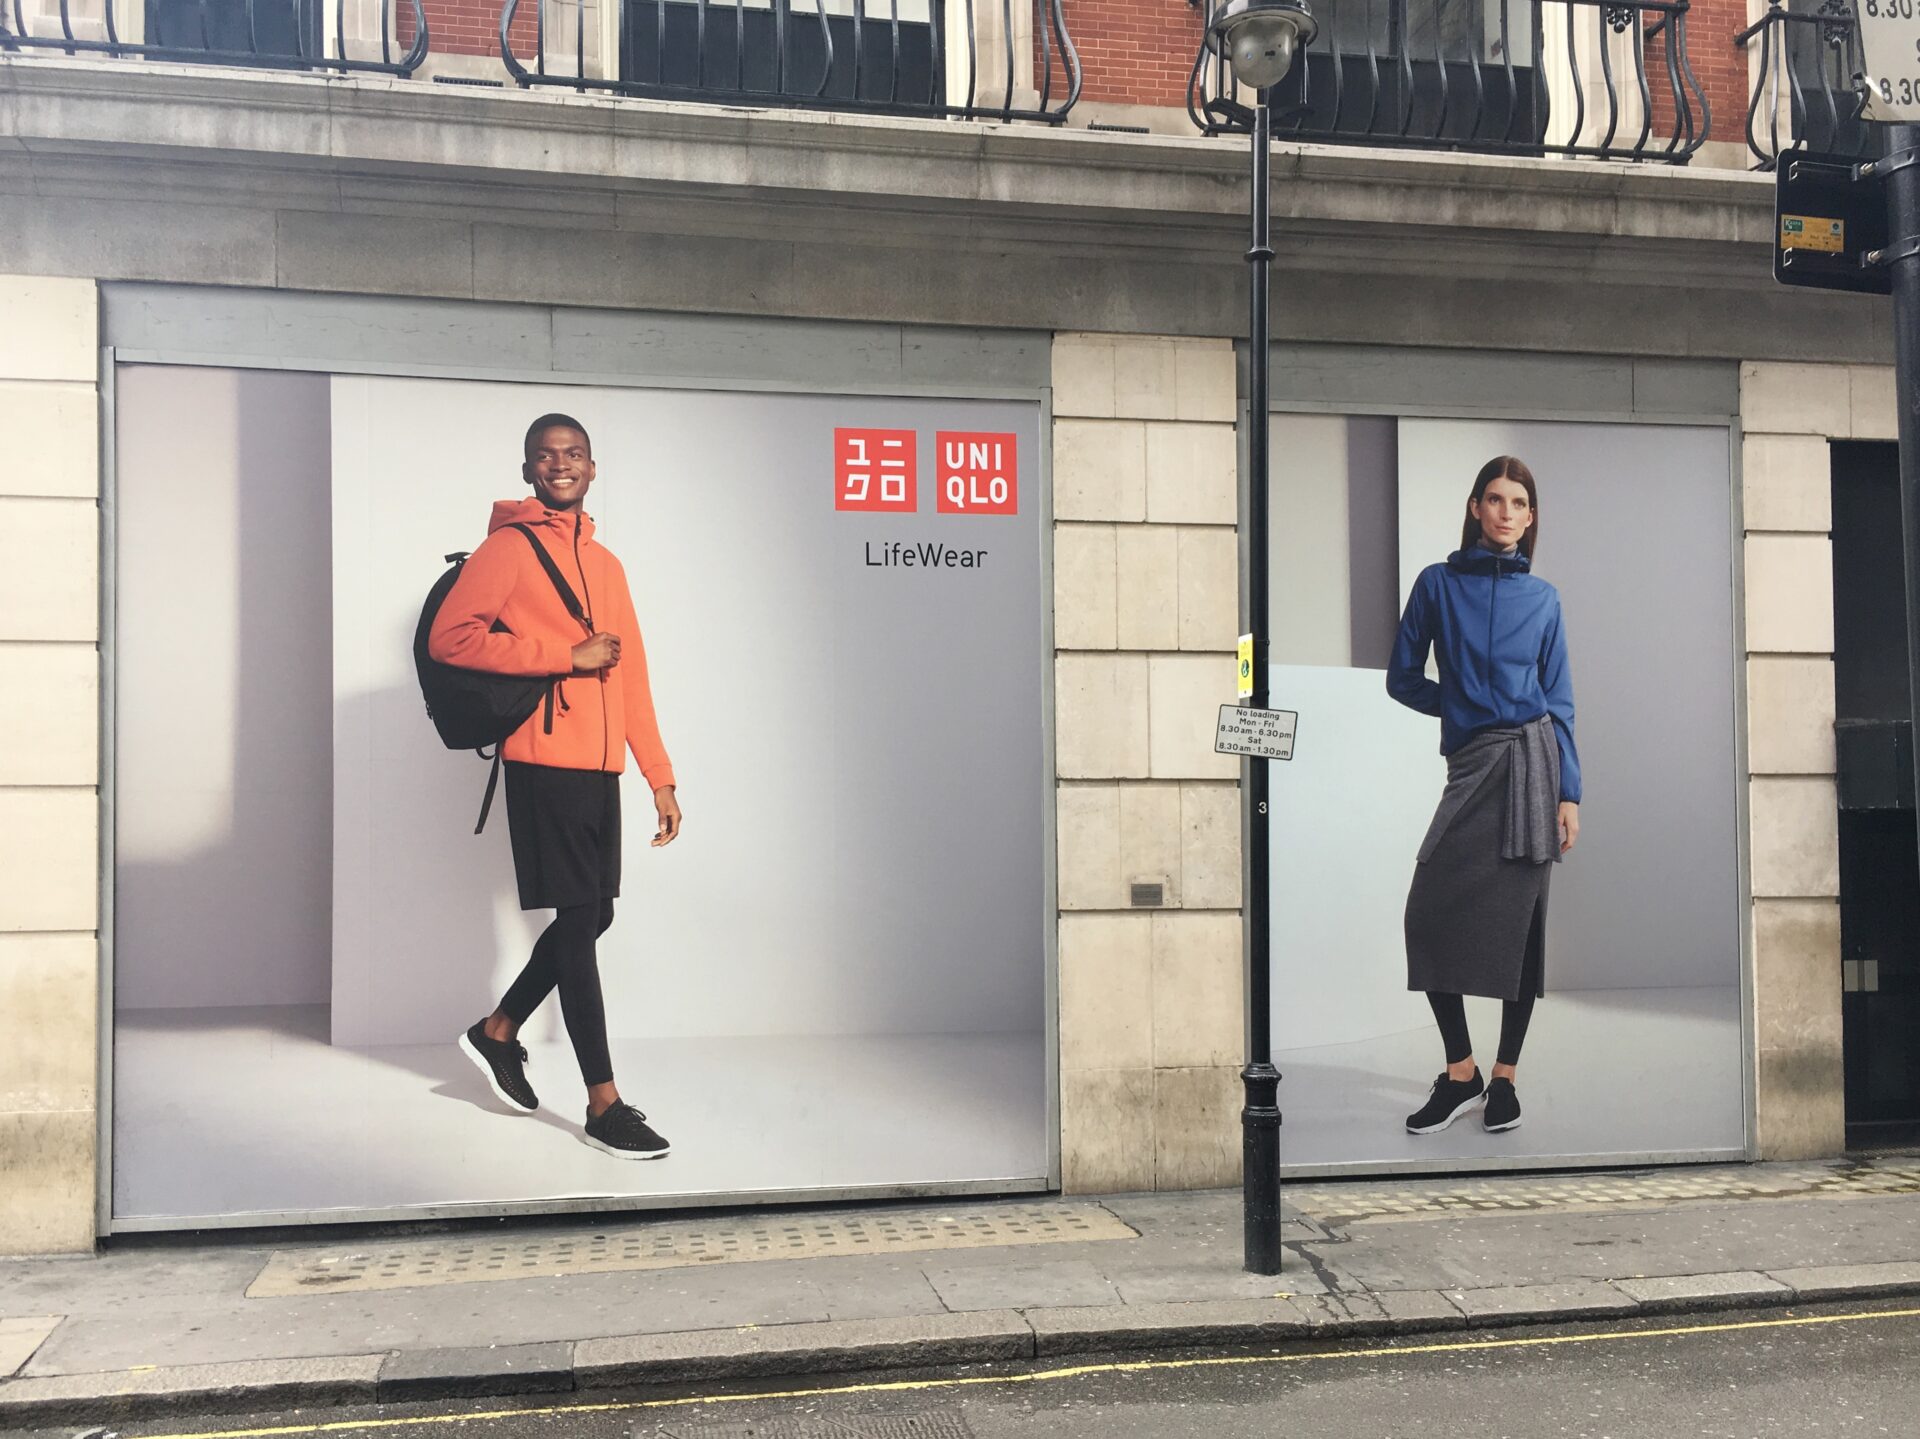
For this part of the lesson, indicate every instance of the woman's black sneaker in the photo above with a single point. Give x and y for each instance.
(1450, 1099)
(503, 1061)
(623, 1131)
(1503, 1107)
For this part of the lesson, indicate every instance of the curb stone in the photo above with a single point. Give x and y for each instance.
(1684, 1293)
(919, 1342)
(1850, 1281)
(420, 1374)
(831, 1346)
(176, 1389)
(1534, 1303)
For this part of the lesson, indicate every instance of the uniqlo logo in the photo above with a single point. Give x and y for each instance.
(875, 470)
(979, 474)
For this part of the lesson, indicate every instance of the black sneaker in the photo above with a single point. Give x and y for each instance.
(623, 1131)
(503, 1061)
(1503, 1107)
(1450, 1099)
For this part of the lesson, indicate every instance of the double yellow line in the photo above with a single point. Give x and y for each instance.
(1045, 1376)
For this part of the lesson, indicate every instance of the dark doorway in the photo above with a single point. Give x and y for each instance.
(1879, 857)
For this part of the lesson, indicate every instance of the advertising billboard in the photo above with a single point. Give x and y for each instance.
(1633, 1045)
(832, 980)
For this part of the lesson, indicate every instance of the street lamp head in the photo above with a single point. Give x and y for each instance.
(1258, 38)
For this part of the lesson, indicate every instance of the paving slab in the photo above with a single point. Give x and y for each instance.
(1541, 1303)
(1412, 1311)
(197, 1388)
(1190, 1283)
(1850, 1281)
(1020, 1285)
(20, 1336)
(1682, 1293)
(836, 1346)
(422, 1374)
(1144, 1326)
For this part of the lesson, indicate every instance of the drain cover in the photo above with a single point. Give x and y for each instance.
(671, 1246)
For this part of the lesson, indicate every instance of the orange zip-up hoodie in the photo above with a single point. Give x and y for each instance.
(597, 716)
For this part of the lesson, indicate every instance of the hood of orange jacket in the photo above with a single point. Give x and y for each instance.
(504, 615)
(532, 510)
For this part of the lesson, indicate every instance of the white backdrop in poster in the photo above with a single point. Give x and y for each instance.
(859, 748)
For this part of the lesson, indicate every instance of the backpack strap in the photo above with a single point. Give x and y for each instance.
(493, 779)
(567, 596)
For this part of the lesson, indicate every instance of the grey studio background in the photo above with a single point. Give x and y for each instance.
(835, 980)
(1644, 941)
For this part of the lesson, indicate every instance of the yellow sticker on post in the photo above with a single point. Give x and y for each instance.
(1813, 232)
(1246, 667)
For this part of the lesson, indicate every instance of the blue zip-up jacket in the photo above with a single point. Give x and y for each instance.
(1502, 653)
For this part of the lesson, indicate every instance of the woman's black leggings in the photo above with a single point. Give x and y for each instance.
(563, 958)
(1450, 1013)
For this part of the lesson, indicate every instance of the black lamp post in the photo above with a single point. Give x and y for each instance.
(1258, 38)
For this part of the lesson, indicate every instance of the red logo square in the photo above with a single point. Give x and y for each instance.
(876, 470)
(978, 474)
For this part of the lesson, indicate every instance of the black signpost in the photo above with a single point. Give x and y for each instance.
(1841, 224)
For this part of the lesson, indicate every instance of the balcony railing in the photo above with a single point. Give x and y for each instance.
(1603, 78)
(278, 34)
(995, 60)
(1807, 88)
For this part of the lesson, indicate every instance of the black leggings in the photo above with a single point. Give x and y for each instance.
(563, 958)
(1450, 1013)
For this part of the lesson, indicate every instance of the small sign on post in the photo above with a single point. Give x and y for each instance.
(1246, 666)
(1826, 224)
(1257, 734)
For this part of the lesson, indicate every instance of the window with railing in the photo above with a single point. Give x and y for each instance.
(827, 51)
(279, 34)
(1805, 59)
(1606, 78)
(1001, 59)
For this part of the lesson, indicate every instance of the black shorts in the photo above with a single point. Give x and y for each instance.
(565, 829)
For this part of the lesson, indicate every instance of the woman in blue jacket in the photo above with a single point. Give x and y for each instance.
(1477, 911)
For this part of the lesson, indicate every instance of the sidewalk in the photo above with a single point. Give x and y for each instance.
(544, 1307)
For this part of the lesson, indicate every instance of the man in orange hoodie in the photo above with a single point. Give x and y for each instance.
(505, 615)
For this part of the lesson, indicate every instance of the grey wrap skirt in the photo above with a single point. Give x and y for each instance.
(1477, 910)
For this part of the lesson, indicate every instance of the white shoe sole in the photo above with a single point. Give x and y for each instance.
(1464, 1108)
(1503, 1128)
(480, 1063)
(624, 1153)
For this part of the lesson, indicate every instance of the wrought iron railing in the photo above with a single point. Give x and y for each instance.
(995, 59)
(275, 34)
(1603, 78)
(1807, 87)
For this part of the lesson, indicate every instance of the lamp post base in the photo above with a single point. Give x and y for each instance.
(1260, 1172)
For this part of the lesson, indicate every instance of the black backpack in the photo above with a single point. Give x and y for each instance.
(473, 709)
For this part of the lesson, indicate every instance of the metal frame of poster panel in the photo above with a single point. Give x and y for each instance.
(120, 301)
(1377, 396)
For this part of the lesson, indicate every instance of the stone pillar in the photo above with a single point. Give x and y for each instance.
(49, 762)
(1789, 414)
(1145, 619)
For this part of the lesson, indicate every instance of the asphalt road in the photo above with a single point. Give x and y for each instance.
(1807, 1373)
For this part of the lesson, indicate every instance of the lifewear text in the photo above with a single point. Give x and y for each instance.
(897, 554)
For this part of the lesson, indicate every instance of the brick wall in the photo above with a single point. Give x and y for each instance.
(1133, 52)
(1719, 66)
(472, 27)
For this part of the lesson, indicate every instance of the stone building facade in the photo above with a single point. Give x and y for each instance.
(1126, 249)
